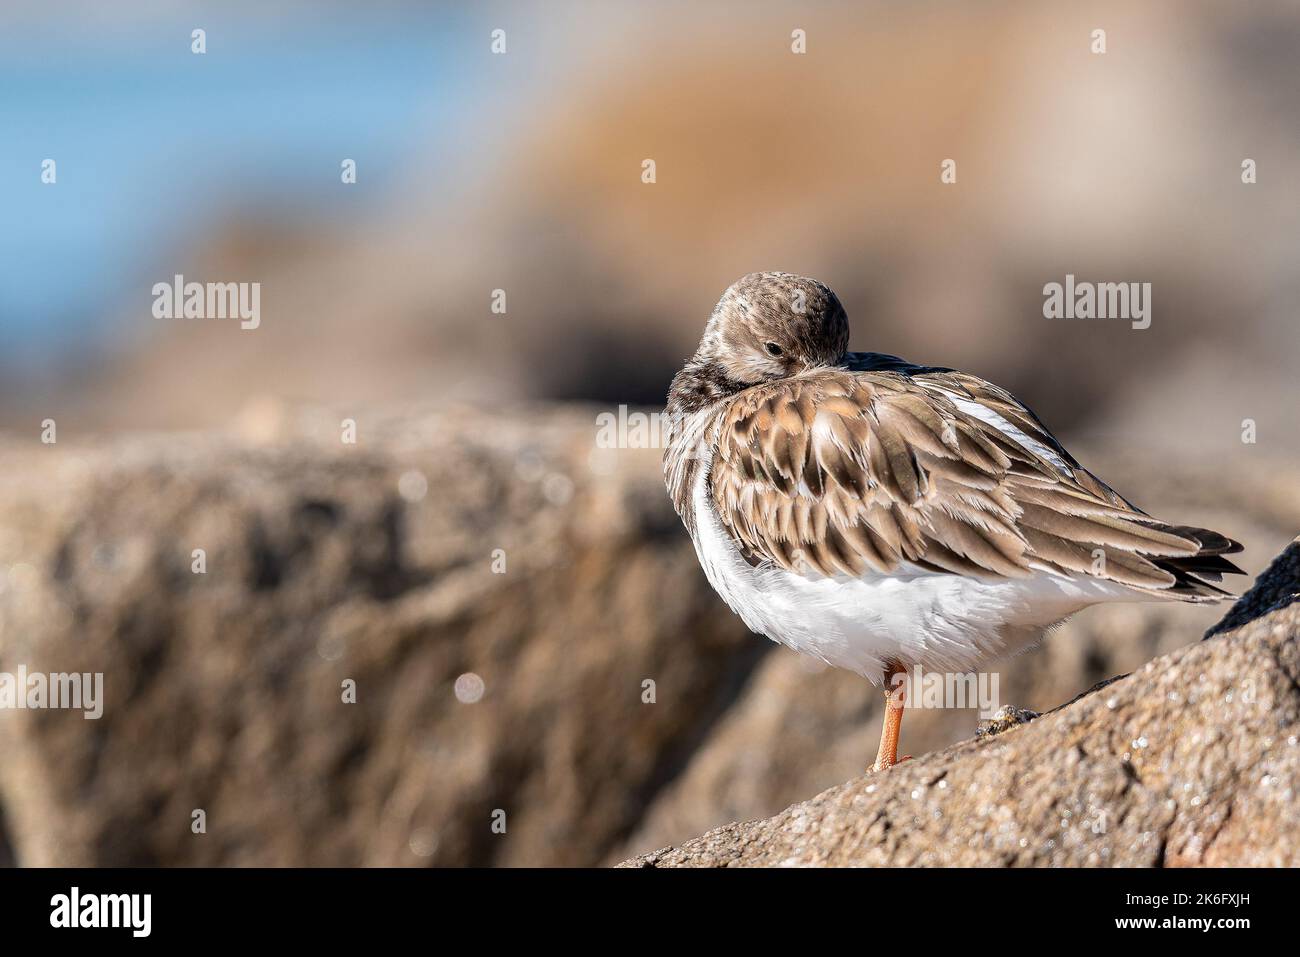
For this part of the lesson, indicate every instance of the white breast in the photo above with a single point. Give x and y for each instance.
(943, 622)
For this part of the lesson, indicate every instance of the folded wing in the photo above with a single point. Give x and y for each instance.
(844, 472)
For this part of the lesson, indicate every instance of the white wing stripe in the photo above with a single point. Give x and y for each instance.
(989, 417)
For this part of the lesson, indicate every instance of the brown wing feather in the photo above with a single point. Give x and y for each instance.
(842, 472)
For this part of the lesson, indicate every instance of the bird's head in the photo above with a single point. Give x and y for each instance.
(769, 325)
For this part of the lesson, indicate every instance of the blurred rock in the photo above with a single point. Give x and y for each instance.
(826, 164)
(223, 690)
(1193, 760)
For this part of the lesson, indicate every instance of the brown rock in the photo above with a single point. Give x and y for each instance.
(223, 690)
(1276, 588)
(1192, 760)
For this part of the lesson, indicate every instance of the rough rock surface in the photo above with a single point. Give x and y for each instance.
(1278, 587)
(1192, 760)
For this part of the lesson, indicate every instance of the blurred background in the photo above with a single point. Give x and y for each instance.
(522, 171)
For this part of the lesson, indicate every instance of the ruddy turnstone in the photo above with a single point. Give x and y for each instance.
(881, 515)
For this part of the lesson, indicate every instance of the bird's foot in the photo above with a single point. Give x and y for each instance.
(885, 766)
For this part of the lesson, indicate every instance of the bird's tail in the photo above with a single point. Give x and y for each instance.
(1196, 577)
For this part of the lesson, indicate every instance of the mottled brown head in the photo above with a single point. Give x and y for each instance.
(769, 325)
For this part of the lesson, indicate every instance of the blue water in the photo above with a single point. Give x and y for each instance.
(154, 143)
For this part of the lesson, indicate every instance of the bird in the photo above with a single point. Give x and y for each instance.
(884, 516)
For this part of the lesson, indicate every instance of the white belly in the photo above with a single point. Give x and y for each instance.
(943, 622)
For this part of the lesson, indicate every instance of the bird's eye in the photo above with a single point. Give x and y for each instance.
(773, 349)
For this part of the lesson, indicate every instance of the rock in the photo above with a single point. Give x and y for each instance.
(1192, 760)
(1276, 588)
(1004, 719)
(372, 562)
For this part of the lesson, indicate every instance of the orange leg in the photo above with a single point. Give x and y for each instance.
(887, 756)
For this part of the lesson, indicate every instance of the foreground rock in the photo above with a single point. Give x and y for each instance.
(1194, 759)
